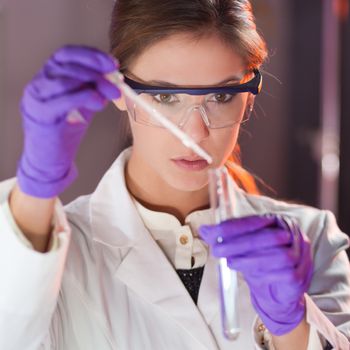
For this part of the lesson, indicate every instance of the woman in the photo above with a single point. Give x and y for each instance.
(137, 273)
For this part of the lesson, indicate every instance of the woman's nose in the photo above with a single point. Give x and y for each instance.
(196, 124)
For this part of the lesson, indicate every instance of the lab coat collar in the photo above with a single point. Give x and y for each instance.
(111, 201)
(109, 205)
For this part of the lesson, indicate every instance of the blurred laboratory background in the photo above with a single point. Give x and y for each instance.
(298, 140)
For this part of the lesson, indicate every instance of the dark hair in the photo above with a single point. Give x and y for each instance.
(137, 24)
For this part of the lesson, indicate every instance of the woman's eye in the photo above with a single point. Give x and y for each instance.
(165, 98)
(222, 98)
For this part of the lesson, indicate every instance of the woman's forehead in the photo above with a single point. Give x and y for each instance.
(182, 59)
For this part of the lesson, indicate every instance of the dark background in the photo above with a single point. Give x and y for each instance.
(344, 192)
(277, 143)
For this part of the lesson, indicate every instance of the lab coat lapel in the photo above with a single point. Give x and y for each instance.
(116, 224)
(114, 219)
(208, 298)
(146, 270)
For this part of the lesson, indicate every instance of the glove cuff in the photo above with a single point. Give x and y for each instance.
(41, 189)
(283, 320)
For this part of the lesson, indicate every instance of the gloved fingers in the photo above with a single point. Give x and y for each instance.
(252, 242)
(88, 98)
(287, 292)
(276, 301)
(56, 79)
(53, 69)
(300, 244)
(284, 277)
(305, 267)
(87, 114)
(263, 262)
(55, 108)
(44, 88)
(86, 56)
(279, 275)
(234, 227)
(107, 89)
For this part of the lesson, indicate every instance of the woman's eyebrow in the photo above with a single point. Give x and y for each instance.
(233, 80)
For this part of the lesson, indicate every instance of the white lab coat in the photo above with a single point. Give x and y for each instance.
(117, 290)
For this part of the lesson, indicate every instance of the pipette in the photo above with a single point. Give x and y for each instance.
(118, 79)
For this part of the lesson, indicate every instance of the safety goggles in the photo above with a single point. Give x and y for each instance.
(218, 106)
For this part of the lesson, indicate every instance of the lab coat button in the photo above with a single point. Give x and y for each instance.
(183, 239)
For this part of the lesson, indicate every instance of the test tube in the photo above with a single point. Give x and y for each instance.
(221, 202)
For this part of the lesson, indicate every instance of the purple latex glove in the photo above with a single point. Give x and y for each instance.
(275, 260)
(72, 79)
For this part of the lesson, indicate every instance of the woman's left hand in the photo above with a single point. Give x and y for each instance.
(275, 260)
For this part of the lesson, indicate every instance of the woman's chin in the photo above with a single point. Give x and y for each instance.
(188, 183)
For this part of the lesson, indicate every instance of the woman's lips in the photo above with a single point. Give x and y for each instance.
(197, 164)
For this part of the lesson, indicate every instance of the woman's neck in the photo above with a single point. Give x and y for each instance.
(155, 194)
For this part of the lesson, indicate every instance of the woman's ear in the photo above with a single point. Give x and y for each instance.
(249, 106)
(250, 103)
(120, 103)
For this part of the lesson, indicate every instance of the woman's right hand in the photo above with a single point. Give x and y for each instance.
(72, 80)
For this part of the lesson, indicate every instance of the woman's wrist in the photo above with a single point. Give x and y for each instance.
(298, 338)
(33, 217)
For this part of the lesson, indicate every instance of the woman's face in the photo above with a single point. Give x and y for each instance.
(184, 61)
